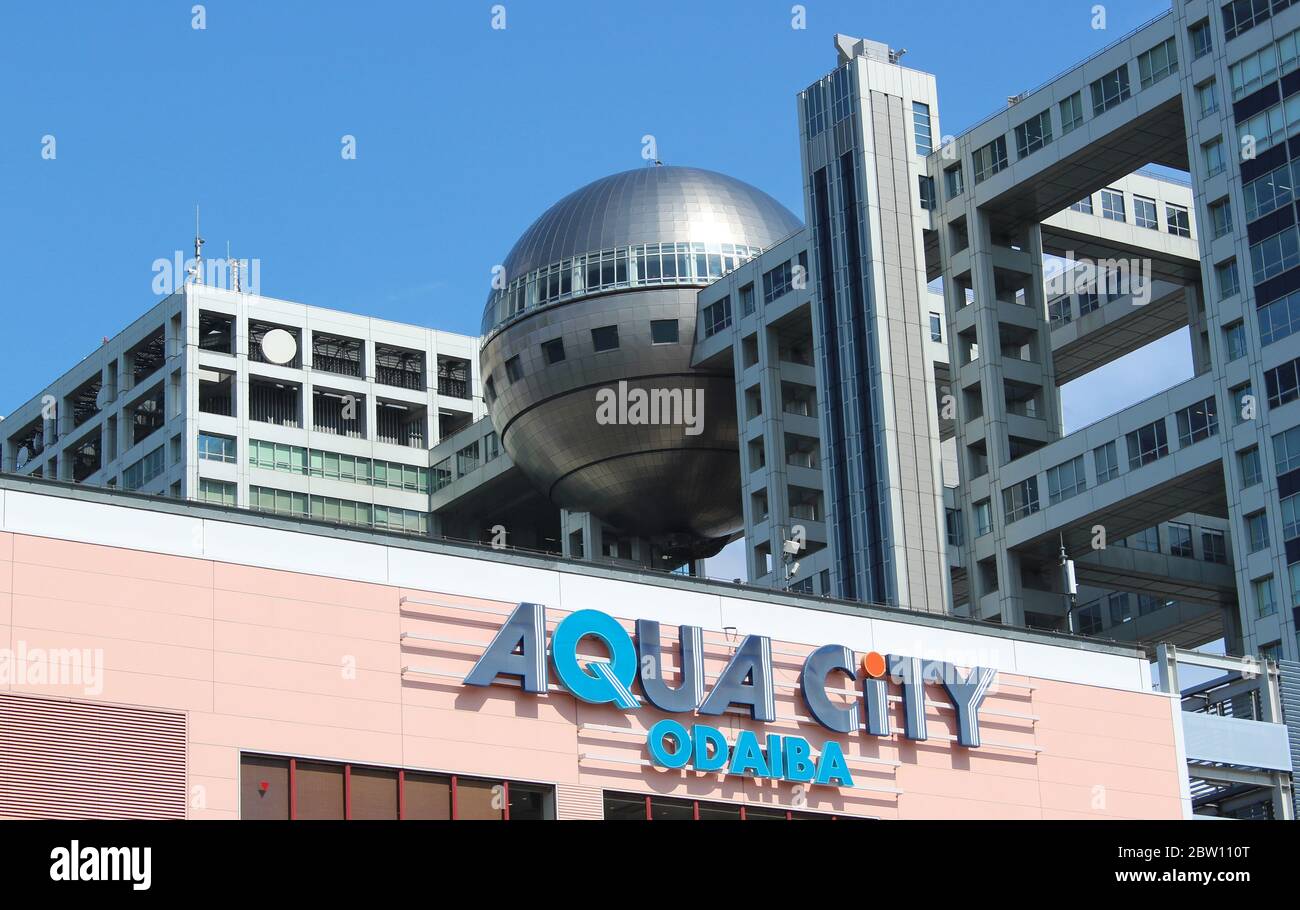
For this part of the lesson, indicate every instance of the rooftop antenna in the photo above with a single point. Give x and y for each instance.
(234, 269)
(197, 272)
(1071, 585)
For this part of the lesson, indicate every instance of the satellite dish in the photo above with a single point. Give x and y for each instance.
(24, 456)
(278, 346)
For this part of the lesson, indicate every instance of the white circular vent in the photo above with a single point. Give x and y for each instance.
(278, 346)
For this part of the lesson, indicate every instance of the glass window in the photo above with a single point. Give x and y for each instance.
(604, 338)
(1214, 546)
(1267, 128)
(1242, 15)
(1265, 602)
(1180, 539)
(1286, 450)
(815, 110)
(1066, 480)
(1121, 611)
(1020, 500)
(1197, 422)
(1256, 532)
(1144, 213)
(553, 351)
(1291, 517)
(1207, 97)
(717, 316)
(664, 331)
(952, 181)
(1178, 221)
(217, 492)
(1157, 63)
(1220, 218)
(778, 282)
(1147, 444)
(747, 300)
(1105, 461)
(983, 518)
(1226, 275)
(1212, 157)
(1033, 134)
(990, 159)
(1071, 112)
(1250, 470)
(1083, 205)
(1269, 192)
(1234, 337)
(1147, 540)
(1089, 619)
(1282, 383)
(936, 327)
(514, 371)
(217, 448)
(1243, 403)
(1275, 255)
(926, 188)
(1110, 90)
(1279, 319)
(1112, 205)
(921, 126)
(1202, 39)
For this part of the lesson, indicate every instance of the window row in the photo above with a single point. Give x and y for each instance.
(136, 475)
(274, 788)
(341, 511)
(1274, 255)
(1254, 71)
(1269, 127)
(635, 807)
(623, 267)
(1241, 16)
(275, 456)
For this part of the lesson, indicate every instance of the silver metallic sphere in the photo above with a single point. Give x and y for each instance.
(601, 289)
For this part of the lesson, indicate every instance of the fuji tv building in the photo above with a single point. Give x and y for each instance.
(265, 560)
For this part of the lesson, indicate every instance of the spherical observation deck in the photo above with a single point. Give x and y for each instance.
(602, 289)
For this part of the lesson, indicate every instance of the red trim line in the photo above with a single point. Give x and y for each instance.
(293, 788)
(347, 791)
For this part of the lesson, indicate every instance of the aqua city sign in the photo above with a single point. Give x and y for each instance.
(519, 651)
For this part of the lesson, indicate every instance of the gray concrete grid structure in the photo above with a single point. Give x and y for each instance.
(887, 378)
(187, 403)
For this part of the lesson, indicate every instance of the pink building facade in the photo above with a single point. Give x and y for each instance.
(163, 660)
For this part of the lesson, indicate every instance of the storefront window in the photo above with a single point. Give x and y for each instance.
(284, 788)
(631, 807)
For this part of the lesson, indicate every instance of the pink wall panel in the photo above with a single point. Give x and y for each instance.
(271, 661)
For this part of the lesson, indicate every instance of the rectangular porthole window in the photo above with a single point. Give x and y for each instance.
(605, 338)
(663, 331)
(553, 350)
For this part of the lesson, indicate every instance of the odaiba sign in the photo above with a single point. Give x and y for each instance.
(519, 651)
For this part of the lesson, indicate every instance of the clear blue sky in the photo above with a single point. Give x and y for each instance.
(464, 134)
